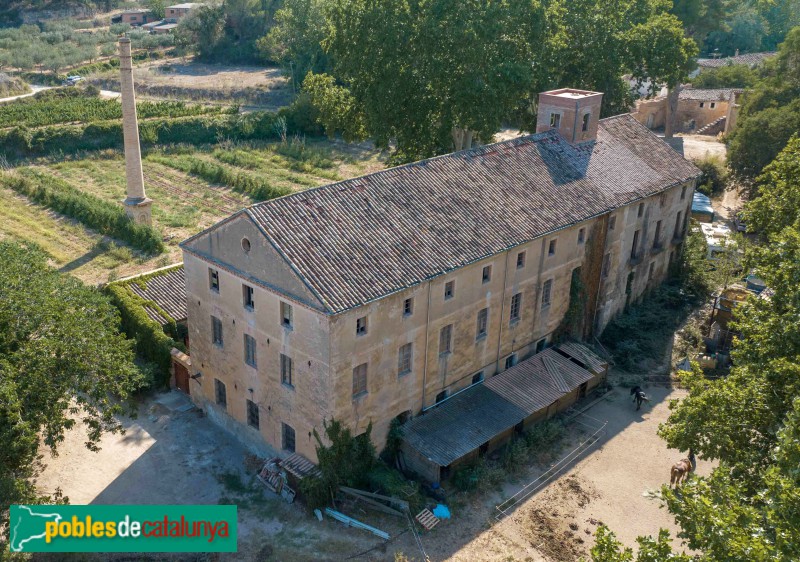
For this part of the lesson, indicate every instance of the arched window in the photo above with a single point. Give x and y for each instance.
(586, 117)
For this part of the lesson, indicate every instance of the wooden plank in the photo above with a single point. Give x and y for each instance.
(427, 519)
(372, 503)
(401, 504)
(350, 522)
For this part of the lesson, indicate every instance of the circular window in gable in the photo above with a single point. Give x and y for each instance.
(245, 244)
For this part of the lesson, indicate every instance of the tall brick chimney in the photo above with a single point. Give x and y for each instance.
(574, 113)
(137, 204)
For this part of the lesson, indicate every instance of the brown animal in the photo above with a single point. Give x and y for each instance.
(681, 469)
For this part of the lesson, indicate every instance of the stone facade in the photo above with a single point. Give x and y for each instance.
(396, 355)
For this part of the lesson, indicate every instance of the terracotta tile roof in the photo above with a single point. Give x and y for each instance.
(710, 94)
(750, 59)
(361, 239)
(469, 419)
(168, 291)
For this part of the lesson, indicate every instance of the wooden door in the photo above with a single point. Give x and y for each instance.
(181, 377)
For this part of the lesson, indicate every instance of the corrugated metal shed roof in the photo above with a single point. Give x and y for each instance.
(358, 240)
(584, 355)
(168, 291)
(468, 420)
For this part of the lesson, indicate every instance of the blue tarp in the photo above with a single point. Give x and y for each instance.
(702, 205)
(441, 511)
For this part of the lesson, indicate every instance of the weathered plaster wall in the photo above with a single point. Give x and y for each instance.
(690, 110)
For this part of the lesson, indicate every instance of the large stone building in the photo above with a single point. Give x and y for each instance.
(377, 297)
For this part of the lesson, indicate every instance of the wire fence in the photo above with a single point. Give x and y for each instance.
(597, 427)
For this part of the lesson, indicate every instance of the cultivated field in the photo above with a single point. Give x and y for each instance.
(192, 188)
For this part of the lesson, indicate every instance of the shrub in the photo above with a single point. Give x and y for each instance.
(715, 175)
(152, 343)
(92, 211)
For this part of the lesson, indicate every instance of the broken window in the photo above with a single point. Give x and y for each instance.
(404, 357)
(640, 212)
(441, 397)
(220, 393)
(585, 125)
(286, 315)
(678, 225)
(286, 370)
(511, 360)
(487, 274)
(612, 222)
(213, 279)
(408, 307)
(252, 414)
(581, 236)
(287, 438)
(683, 193)
(483, 317)
(516, 301)
(360, 380)
(247, 297)
(651, 271)
(546, 289)
(606, 265)
(449, 289)
(216, 330)
(540, 345)
(713, 105)
(635, 246)
(555, 120)
(702, 104)
(445, 339)
(657, 237)
(249, 350)
(551, 250)
(520, 260)
(477, 377)
(361, 326)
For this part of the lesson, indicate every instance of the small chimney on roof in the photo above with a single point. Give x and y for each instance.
(574, 113)
(137, 205)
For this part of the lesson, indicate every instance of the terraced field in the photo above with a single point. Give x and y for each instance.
(184, 202)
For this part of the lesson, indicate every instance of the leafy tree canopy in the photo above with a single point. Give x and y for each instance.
(62, 361)
(729, 76)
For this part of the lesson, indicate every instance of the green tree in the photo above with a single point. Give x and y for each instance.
(430, 75)
(295, 42)
(62, 362)
(608, 549)
(158, 7)
(202, 30)
(778, 203)
(699, 17)
(728, 76)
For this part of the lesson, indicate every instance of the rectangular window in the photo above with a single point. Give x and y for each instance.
(612, 222)
(683, 193)
(585, 125)
(445, 339)
(361, 326)
(606, 265)
(640, 213)
(249, 350)
(520, 260)
(247, 297)
(286, 315)
(441, 397)
(581, 236)
(702, 103)
(685, 221)
(220, 393)
(511, 360)
(635, 246)
(252, 414)
(477, 377)
(555, 120)
(287, 438)
(216, 330)
(408, 307)
(516, 301)
(651, 271)
(540, 345)
(713, 104)
(449, 289)
(657, 237)
(487, 274)
(404, 359)
(213, 279)
(678, 225)
(662, 199)
(551, 250)
(286, 370)
(546, 289)
(360, 380)
(483, 318)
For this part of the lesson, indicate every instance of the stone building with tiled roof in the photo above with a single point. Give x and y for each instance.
(380, 296)
(748, 59)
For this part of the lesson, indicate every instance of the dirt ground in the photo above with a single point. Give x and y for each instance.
(172, 454)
